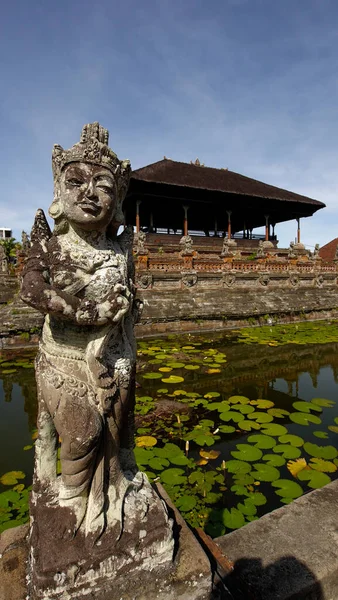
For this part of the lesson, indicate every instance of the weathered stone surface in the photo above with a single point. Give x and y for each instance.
(13, 563)
(289, 554)
(99, 517)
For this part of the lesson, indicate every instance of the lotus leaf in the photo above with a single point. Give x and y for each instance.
(192, 367)
(321, 434)
(248, 508)
(315, 479)
(165, 369)
(233, 518)
(262, 441)
(176, 365)
(287, 451)
(296, 466)
(306, 407)
(145, 440)
(248, 425)
(325, 466)
(333, 428)
(304, 419)
(210, 454)
(261, 417)
(173, 476)
(238, 466)
(172, 379)
(293, 440)
(226, 429)
(287, 488)
(152, 375)
(246, 452)
(238, 400)
(186, 503)
(279, 413)
(323, 402)
(327, 452)
(257, 498)
(212, 395)
(265, 472)
(260, 403)
(274, 429)
(11, 478)
(231, 416)
(274, 460)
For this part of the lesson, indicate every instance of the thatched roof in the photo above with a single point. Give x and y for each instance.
(181, 174)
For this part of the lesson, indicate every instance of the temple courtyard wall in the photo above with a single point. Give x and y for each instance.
(195, 295)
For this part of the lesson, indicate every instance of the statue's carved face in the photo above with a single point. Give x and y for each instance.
(88, 194)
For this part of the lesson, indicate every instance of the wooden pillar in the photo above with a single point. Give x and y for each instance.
(298, 230)
(151, 224)
(138, 226)
(266, 228)
(244, 228)
(215, 228)
(185, 222)
(273, 229)
(229, 213)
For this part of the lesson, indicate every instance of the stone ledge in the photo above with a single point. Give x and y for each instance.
(289, 554)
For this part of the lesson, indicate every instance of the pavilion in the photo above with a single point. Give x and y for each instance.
(170, 197)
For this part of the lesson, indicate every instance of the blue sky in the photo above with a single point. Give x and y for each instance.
(251, 85)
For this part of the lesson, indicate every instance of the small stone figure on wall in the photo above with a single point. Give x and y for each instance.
(186, 243)
(139, 242)
(82, 278)
(25, 243)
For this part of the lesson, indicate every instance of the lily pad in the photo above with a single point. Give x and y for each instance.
(304, 419)
(176, 365)
(158, 463)
(257, 498)
(315, 479)
(248, 425)
(247, 507)
(238, 466)
(279, 413)
(239, 490)
(325, 466)
(287, 451)
(186, 503)
(173, 379)
(210, 454)
(333, 428)
(173, 476)
(231, 416)
(192, 367)
(293, 440)
(323, 402)
(238, 400)
(265, 472)
(145, 440)
(261, 417)
(152, 375)
(226, 428)
(274, 429)
(246, 452)
(261, 403)
(212, 395)
(262, 441)
(321, 434)
(274, 460)
(306, 407)
(12, 477)
(327, 452)
(287, 488)
(233, 518)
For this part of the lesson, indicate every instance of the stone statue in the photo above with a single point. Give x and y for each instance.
(82, 278)
(3, 260)
(139, 242)
(229, 247)
(186, 243)
(25, 242)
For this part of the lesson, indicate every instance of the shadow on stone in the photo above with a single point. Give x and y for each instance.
(285, 579)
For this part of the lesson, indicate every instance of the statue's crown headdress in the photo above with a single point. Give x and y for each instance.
(93, 148)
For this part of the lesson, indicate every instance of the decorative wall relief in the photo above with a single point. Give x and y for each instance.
(229, 279)
(189, 279)
(264, 279)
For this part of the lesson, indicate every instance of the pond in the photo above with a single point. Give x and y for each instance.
(233, 425)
